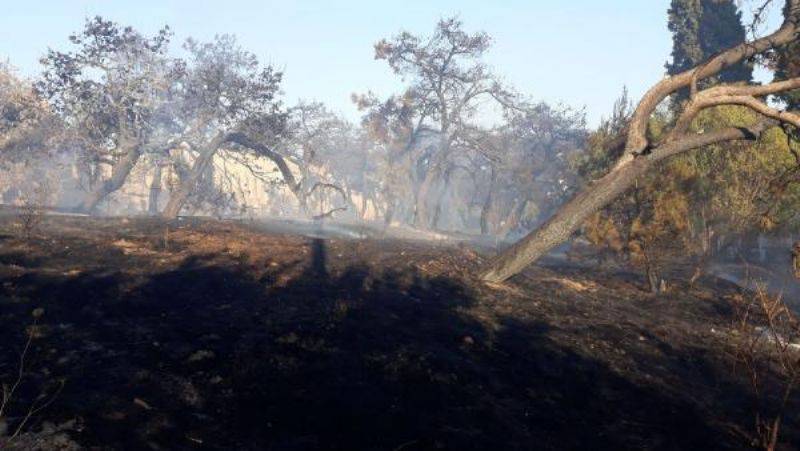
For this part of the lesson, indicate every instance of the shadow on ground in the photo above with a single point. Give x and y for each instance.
(208, 356)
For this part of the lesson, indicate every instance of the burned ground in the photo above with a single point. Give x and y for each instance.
(214, 335)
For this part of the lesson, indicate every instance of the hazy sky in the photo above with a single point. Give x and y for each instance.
(580, 52)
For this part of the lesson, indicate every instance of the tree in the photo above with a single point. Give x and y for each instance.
(642, 153)
(700, 30)
(225, 98)
(110, 92)
(787, 65)
(319, 143)
(396, 126)
(27, 125)
(448, 83)
(527, 164)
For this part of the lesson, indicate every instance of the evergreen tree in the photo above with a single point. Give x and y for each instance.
(702, 28)
(788, 66)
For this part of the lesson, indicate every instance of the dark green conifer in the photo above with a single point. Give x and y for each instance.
(701, 29)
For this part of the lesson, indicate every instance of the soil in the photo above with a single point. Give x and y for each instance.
(206, 334)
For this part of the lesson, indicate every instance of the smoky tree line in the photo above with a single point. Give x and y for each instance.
(118, 101)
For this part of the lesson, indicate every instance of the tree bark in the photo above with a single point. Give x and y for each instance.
(119, 173)
(595, 196)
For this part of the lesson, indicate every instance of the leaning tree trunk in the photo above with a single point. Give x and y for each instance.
(187, 184)
(119, 173)
(283, 167)
(595, 196)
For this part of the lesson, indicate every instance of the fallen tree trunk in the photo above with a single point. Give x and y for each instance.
(595, 196)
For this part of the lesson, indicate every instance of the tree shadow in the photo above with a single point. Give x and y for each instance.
(207, 355)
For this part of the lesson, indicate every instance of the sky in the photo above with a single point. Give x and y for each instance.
(579, 53)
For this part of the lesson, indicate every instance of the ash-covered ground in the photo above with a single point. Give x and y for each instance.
(203, 334)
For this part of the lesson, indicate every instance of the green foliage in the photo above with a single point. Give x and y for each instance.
(787, 65)
(699, 200)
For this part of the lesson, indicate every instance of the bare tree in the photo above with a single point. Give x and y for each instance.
(642, 154)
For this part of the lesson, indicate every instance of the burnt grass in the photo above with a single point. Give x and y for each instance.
(215, 335)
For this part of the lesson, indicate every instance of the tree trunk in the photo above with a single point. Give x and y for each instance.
(421, 212)
(487, 204)
(437, 215)
(435, 169)
(187, 184)
(595, 196)
(155, 191)
(119, 173)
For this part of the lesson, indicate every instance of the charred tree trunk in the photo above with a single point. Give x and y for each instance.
(119, 173)
(595, 196)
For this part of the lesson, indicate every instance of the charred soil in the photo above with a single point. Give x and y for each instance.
(213, 335)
